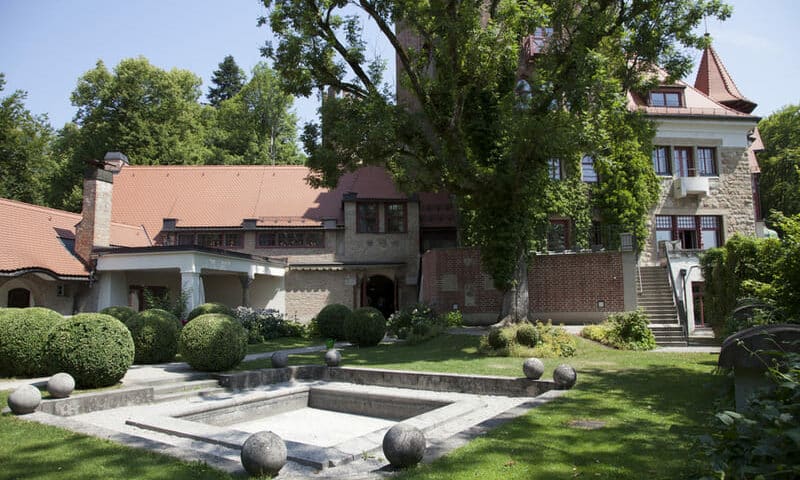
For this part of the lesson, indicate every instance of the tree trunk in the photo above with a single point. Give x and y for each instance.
(515, 299)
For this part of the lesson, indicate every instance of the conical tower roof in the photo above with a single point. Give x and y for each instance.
(714, 80)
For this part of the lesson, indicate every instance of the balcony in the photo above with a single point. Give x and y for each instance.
(684, 186)
(535, 44)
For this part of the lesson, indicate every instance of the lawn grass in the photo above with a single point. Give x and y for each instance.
(652, 405)
(284, 343)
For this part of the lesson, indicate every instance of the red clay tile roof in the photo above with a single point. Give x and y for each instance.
(714, 80)
(756, 146)
(223, 196)
(35, 237)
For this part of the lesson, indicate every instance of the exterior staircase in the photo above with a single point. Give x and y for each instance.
(654, 296)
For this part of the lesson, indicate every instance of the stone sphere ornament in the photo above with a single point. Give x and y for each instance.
(565, 377)
(533, 368)
(24, 399)
(333, 358)
(404, 445)
(263, 453)
(61, 385)
(280, 360)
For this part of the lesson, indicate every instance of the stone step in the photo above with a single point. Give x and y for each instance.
(180, 395)
(192, 386)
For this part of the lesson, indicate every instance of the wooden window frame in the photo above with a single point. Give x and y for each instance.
(687, 168)
(593, 177)
(707, 167)
(403, 227)
(665, 162)
(653, 101)
(305, 243)
(554, 169)
(363, 222)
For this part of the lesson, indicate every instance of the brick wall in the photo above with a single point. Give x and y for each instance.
(562, 287)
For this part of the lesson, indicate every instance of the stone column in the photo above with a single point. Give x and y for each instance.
(192, 286)
(247, 281)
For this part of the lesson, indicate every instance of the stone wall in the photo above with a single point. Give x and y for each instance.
(308, 291)
(45, 293)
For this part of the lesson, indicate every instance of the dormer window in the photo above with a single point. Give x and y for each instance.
(666, 98)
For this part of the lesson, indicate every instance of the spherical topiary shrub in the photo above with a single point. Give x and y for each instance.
(155, 336)
(96, 349)
(499, 338)
(213, 342)
(365, 327)
(330, 321)
(528, 335)
(206, 308)
(23, 334)
(120, 312)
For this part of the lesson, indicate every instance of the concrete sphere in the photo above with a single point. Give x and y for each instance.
(404, 445)
(333, 358)
(280, 359)
(565, 377)
(263, 453)
(533, 368)
(24, 400)
(61, 385)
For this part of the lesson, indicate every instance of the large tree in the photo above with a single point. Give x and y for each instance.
(228, 79)
(257, 125)
(780, 161)
(26, 163)
(462, 122)
(152, 115)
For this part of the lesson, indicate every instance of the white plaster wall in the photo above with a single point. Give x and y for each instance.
(112, 289)
(268, 292)
(225, 289)
(691, 264)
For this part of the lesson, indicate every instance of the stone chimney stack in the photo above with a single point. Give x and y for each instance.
(94, 229)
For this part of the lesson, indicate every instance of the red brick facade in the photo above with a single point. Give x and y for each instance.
(564, 283)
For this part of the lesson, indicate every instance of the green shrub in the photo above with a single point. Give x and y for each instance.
(454, 318)
(552, 341)
(500, 338)
(267, 324)
(155, 336)
(176, 306)
(365, 327)
(120, 312)
(213, 342)
(555, 342)
(528, 335)
(630, 331)
(598, 333)
(416, 323)
(96, 349)
(211, 307)
(23, 335)
(330, 321)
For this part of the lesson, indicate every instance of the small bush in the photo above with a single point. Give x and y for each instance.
(23, 335)
(211, 307)
(556, 342)
(454, 318)
(630, 331)
(500, 338)
(598, 333)
(528, 335)
(416, 323)
(155, 336)
(96, 349)
(552, 341)
(365, 327)
(267, 324)
(176, 306)
(213, 342)
(330, 321)
(120, 312)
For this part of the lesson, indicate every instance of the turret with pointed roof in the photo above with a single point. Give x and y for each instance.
(714, 80)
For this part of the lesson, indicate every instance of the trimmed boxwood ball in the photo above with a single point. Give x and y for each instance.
(330, 321)
(155, 336)
(213, 342)
(528, 335)
(365, 327)
(499, 338)
(120, 312)
(23, 335)
(96, 349)
(211, 307)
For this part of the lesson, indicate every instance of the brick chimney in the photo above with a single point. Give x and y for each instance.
(94, 229)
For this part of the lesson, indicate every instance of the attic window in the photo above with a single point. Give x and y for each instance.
(666, 98)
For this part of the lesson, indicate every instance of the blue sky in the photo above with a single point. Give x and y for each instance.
(45, 45)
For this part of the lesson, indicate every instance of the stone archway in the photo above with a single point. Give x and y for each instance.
(19, 298)
(379, 292)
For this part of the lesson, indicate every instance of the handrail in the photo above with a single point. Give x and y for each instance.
(682, 316)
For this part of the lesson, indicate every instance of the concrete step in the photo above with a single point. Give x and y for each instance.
(184, 386)
(169, 397)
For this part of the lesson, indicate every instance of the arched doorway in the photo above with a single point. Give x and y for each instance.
(379, 293)
(19, 298)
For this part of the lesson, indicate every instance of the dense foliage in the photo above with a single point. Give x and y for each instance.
(96, 349)
(23, 335)
(462, 123)
(365, 327)
(120, 312)
(626, 331)
(416, 323)
(227, 80)
(210, 307)
(213, 342)
(763, 441)
(330, 321)
(780, 161)
(758, 271)
(266, 324)
(155, 335)
(524, 339)
(174, 304)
